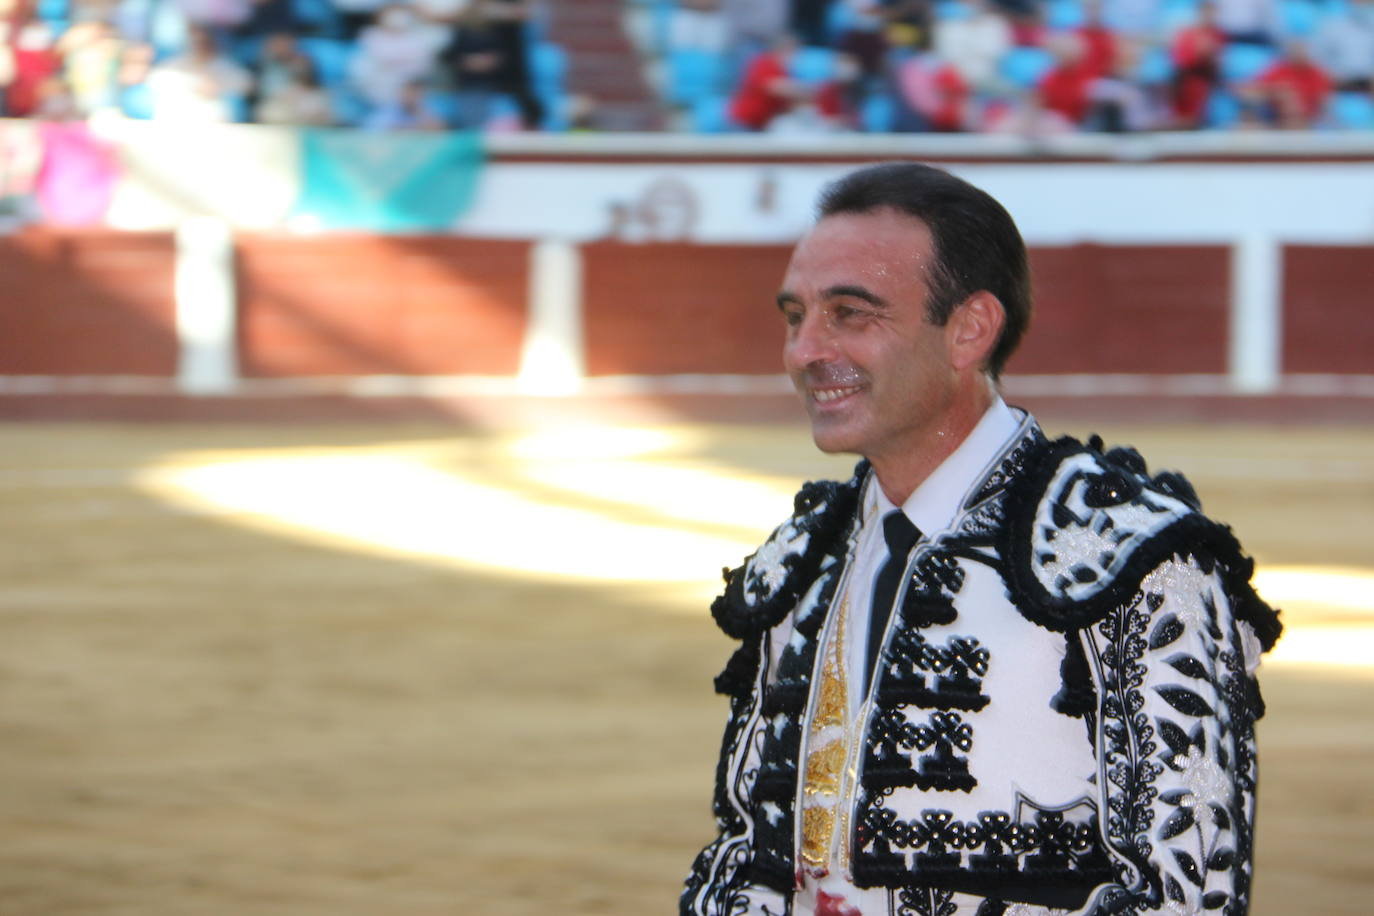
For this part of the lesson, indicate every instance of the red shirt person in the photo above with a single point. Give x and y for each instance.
(1294, 90)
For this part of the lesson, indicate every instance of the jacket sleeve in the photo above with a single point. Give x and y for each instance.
(719, 883)
(1173, 728)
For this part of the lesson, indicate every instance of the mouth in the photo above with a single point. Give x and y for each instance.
(827, 396)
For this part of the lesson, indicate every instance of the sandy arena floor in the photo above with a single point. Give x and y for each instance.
(390, 670)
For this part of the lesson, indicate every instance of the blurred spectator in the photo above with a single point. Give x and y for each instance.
(410, 111)
(1064, 89)
(1025, 116)
(286, 86)
(1256, 22)
(811, 21)
(299, 100)
(865, 38)
(1117, 103)
(698, 25)
(931, 93)
(91, 53)
(396, 50)
(54, 101)
(219, 16)
(357, 15)
(200, 85)
(1101, 50)
(755, 24)
(270, 17)
(485, 58)
(1292, 93)
(975, 45)
(509, 21)
(1344, 43)
(1196, 54)
(33, 59)
(767, 90)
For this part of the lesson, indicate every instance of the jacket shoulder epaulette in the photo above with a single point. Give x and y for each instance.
(1085, 526)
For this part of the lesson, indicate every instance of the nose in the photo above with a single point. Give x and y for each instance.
(810, 342)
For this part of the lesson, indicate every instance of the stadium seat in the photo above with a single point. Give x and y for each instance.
(878, 113)
(950, 10)
(812, 65)
(1352, 110)
(692, 75)
(1064, 14)
(1241, 63)
(1176, 14)
(330, 57)
(711, 115)
(1155, 68)
(1299, 17)
(1025, 67)
(548, 68)
(1223, 109)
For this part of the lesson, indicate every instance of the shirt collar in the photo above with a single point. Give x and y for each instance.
(936, 501)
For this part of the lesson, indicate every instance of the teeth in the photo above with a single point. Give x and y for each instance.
(829, 394)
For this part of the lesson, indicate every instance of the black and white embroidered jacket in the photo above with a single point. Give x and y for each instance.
(1062, 719)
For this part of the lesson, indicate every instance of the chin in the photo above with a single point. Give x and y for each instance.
(833, 440)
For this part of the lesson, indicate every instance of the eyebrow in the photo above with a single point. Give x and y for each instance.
(786, 298)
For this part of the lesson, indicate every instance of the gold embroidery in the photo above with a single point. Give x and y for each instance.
(817, 826)
(827, 753)
(823, 767)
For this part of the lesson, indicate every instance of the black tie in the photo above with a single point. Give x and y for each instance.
(901, 535)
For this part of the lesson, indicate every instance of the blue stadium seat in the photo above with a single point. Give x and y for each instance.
(1299, 17)
(812, 65)
(1025, 67)
(1064, 14)
(1352, 110)
(1176, 14)
(1223, 109)
(330, 57)
(711, 115)
(952, 9)
(52, 11)
(1241, 63)
(1155, 67)
(548, 68)
(318, 16)
(878, 113)
(692, 75)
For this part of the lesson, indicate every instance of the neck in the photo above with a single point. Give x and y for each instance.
(902, 471)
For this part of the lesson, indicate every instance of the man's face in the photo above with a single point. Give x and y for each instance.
(874, 373)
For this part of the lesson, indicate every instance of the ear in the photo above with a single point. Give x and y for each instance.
(973, 329)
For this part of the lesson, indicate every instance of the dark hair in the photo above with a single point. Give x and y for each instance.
(976, 243)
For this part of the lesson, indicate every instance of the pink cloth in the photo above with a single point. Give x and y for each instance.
(76, 180)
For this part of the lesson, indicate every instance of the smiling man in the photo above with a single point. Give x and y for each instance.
(990, 674)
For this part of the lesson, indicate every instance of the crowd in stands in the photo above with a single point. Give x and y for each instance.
(1038, 67)
(419, 64)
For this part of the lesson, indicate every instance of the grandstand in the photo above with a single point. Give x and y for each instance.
(618, 65)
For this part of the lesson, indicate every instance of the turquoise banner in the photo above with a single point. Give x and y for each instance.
(387, 182)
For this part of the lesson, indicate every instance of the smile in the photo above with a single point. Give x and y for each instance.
(825, 395)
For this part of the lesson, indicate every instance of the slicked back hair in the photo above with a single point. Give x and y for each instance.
(977, 246)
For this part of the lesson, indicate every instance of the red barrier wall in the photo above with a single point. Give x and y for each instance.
(362, 305)
(1328, 309)
(664, 309)
(1110, 309)
(87, 303)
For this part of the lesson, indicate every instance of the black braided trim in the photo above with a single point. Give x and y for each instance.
(824, 510)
